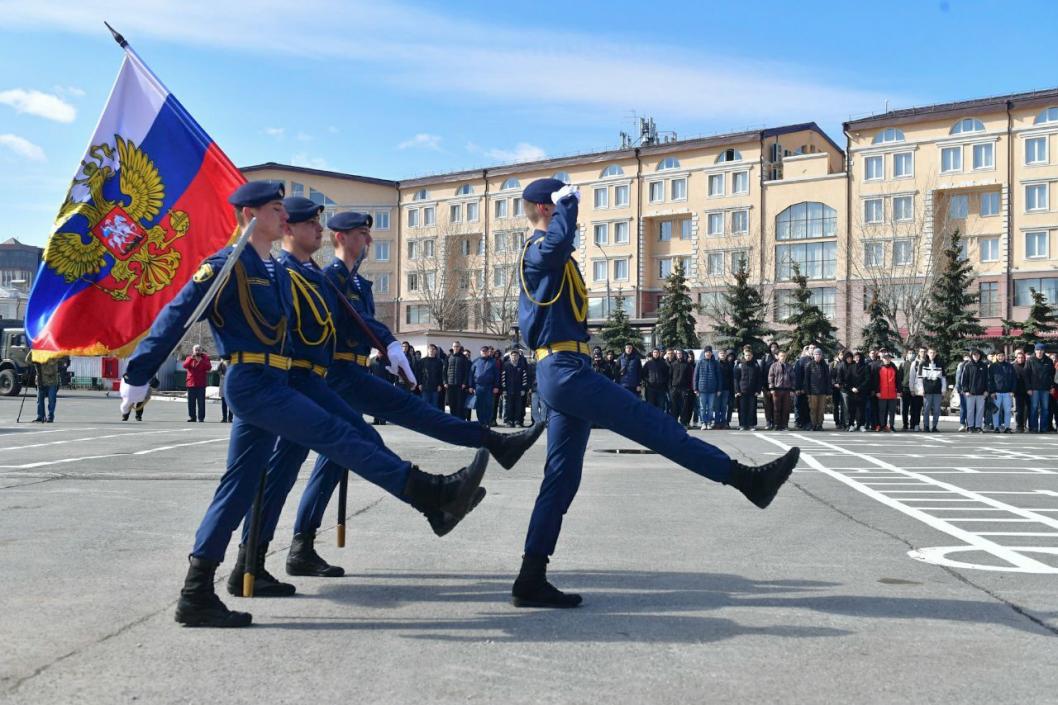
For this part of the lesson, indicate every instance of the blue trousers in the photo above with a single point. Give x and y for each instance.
(578, 397)
(51, 393)
(372, 395)
(267, 406)
(1039, 409)
(483, 405)
(1001, 417)
(706, 402)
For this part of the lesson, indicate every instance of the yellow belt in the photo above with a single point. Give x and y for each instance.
(573, 346)
(306, 365)
(252, 358)
(352, 357)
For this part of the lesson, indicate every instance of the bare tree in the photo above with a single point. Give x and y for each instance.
(443, 266)
(503, 281)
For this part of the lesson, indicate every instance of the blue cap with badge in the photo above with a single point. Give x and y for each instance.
(254, 194)
(350, 220)
(299, 209)
(540, 190)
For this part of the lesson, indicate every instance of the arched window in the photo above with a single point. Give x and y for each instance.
(510, 183)
(888, 135)
(562, 176)
(612, 170)
(809, 219)
(729, 155)
(967, 125)
(421, 195)
(465, 190)
(1046, 115)
(668, 163)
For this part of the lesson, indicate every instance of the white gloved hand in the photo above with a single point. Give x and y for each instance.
(567, 190)
(131, 394)
(399, 361)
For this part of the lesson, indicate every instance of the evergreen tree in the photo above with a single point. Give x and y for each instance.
(810, 324)
(877, 333)
(950, 319)
(618, 331)
(1042, 320)
(675, 327)
(742, 320)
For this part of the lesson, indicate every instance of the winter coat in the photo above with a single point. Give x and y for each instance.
(858, 377)
(727, 375)
(514, 377)
(1001, 378)
(781, 376)
(432, 372)
(974, 378)
(887, 381)
(799, 372)
(656, 373)
(817, 378)
(707, 376)
(1039, 374)
(749, 378)
(483, 373)
(457, 374)
(681, 376)
(630, 370)
(932, 379)
(913, 378)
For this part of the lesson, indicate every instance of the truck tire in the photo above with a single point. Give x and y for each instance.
(9, 383)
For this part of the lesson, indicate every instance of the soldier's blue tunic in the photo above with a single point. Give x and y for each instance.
(553, 309)
(250, 314)
(369, 394)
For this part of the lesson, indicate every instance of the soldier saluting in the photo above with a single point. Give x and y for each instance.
(553, 312)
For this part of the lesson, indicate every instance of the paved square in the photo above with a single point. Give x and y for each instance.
(894, 568)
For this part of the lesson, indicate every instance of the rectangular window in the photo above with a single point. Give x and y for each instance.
(598, 271)
(715, 224)
(1036, 197)
(874, 168)
(814, 260)
(989, 248)
(501, 208)
(664, 268)
(602, 234)
(901, 253)
(806, 220)
(740, 182)
(678, 188)
(964, 249)
(381, 283)
(479, 278)
(739, 259)
(464, 280)
(714, 265)
(413, 217)
(417, 314)
(903, 165)
(413, 281)
(620, 270)
(620, 233)
(873, 254)
(657, 191)
(716, 185)
(685, 229)
(464, 247)
(429, 215)
(984, 156)
(1048, 286)
(620, 196)
(602, 197)
(472, 212)
(958, 207)
(951, 159)
(1036, 244)
(381, 220)
(455, 214)
(430, 280)
(1036, 150)
(519, 208)
(428, 248)
(988, 305)
(481, 245)
(903, 208)
(823, 297)
(499, 242)
(665, 230)
(499, 276)
(873, 210)
(740, 222)
(685, 263)
(990, 203)
(413, 249)
(382, 250)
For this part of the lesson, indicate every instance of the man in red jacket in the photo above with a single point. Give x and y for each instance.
(887, 386)
(198, 366)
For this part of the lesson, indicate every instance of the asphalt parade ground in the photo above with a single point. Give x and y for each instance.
(894, 568)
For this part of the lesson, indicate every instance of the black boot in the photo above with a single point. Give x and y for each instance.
(760, 483)
(199, 606)
(264, 583)
(446, 499)
(507, 448)
(531, 588)
(303, 559)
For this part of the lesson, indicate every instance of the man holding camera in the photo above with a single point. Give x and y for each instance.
(198, 367)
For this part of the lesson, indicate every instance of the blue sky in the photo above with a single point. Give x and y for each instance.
(397, 90)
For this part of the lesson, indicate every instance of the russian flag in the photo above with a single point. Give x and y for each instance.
(147, 204)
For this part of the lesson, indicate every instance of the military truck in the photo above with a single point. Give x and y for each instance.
(16, 370)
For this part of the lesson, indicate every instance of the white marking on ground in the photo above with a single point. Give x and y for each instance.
(63, 461)
(91, 438)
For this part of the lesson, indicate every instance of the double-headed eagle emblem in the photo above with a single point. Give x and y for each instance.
(118, 229)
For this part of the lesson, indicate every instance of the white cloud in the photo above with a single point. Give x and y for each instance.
(522, 152)
(277, 132)
(422, 140)
(303, 159)
(69, 90)
(22, 147)
(45, 105)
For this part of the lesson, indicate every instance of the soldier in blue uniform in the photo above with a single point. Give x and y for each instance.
(350, 379)
(553, 310)
(249, 317)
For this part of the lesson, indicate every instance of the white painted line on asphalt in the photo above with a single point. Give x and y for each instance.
(1016, 533)
(180, 445)
(146, 451)
(92, 438)
(35, 433)
(1018, 561)
(1014, 453)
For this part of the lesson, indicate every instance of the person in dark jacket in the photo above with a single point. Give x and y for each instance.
(656, 380)
(769, 409)
(727, 379)
(485, 383)
(1001, 382)
(630, 370)
(973, 384)
(781, 384)
(431, 377)
(802, 414)
(1021, 390)
(681, 383)
(856, 384)
(378, 369)
(1039, 376)
(749, 381)
(514, 381)
(836, 398)
(706, 387)
(870, 408)
(457, 381)
(598, 362)
(817, 388)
